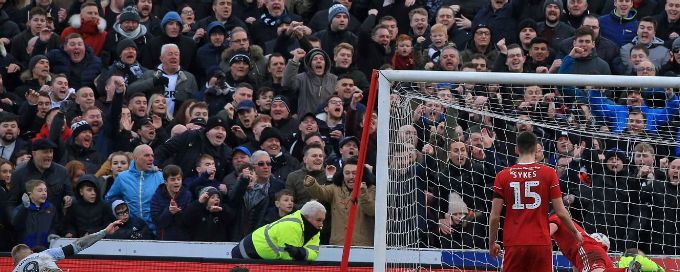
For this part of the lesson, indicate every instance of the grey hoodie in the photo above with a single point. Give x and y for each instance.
(658, 54)
(310, 89)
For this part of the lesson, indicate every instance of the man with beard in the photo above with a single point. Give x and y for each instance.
(42, 166)
(89, 25)
(171, 26)
(337, 31)
(583, 59)
(127, 27)
(170, 78)
(185, 149)
(79, 147)
(10, 142)
(126, 65)
(283, 163)
(552, 29)
(343, 60)
(319, 21)
(646, 35)
(146, 18)
(36, 24)
(76, 60)
(313, 86)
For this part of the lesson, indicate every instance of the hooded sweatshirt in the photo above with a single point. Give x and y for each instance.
(312, 90)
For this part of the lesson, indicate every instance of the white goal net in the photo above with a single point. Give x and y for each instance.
(443, 136)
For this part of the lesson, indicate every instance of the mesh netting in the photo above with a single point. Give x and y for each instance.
(614, 150)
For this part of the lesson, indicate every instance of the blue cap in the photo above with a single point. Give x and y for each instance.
(216, 26)
(243, 150)
(245, 105)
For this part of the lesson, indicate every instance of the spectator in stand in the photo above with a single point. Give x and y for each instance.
(527, 32)
(170, 79)
(205, 169)
(668, 22)
(6, 228)
(338, 29)
(263, 99)
(276, 63)
(76, 60)
(348, 148)
(605, 48)
(208, 219)
(340, 192)
(185, 149)
(35, 76)
(404, 57)
(126, 27)
(126, 65)
(312, 168)
(36, 25)
(313, 86)
(128, 187)
(552, 29)
(285, 205)
(331, 120)
(133, 227)
(9, 137)
(511, 59)
(79, 146)
(149, 20)
(672, 67)
(253, 193)
(281, 117)
(35, 218)
(171, 27)
(239, 41)
(222, 13)
(583, 59)
(88, 214)
(319, 21)
(307, 126)
(662, 227)
(343, 59)
(621, 23)
(449, 60)
(239, 157)
(577, 10)
(222, 88)
(89, 25)
(48, 6)
(480, 43)
(502, 17)
(168, 205)
(446, 16)
(283, 163)
(269, 19)
(117, 162)
(210, 54)
(60, 191)
(375, 40)
(646, 35)
(466, 229)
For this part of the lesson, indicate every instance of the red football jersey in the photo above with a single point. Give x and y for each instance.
(527, 190)
(594, 251)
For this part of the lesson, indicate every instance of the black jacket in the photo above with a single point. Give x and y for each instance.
(204, 225)
(186, 148)
(56, 177)
(84, 217)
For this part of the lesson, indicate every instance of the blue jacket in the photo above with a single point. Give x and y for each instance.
(169, 225)
(130, 185)
(617, 115)
(619, 29)
(208, 58)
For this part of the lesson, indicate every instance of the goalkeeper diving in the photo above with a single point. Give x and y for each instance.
(26, 260)
(592, 255)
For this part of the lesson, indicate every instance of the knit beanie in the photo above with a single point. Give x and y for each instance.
(34, 60)
(556, 2)
(214, 122)
(528, 22)
(335, 9)
(456, 204)
(125, 43)
(129, 13)
(170, 16)
(79, 127)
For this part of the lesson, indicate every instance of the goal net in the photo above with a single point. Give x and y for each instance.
(443, 136)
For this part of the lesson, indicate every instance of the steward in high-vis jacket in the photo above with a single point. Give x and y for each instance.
(293, 237)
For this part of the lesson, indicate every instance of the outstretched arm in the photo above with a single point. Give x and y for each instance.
(89, 240)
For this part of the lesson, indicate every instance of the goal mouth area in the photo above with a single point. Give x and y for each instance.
(584, 110)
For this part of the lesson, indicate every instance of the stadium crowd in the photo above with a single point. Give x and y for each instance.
(204, 120)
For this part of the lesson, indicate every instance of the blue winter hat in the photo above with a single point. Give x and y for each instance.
(335, 9)
(216, 26)
(170, 16)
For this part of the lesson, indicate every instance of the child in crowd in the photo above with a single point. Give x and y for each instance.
(133, 227)
(404, 58)
(208, 219)
(88, 213)
(35, 219)
(283, 205)
(205, 168)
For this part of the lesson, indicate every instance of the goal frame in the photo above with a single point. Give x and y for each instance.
(387, 77)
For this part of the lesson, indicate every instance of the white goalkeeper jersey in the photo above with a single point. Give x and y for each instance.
(45, 261)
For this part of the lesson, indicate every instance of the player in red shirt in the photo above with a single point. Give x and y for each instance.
(526, 189)
(592, 255)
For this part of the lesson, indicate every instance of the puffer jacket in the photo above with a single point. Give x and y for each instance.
(78, 74)
(136, 188)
